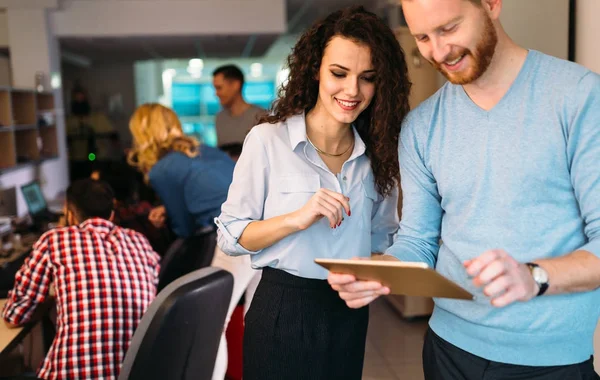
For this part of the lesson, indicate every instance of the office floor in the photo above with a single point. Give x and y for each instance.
(394, 345)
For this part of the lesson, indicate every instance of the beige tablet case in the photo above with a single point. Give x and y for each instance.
(404, 278)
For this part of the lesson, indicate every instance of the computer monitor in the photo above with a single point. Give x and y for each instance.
(36, 203)
(8, 202)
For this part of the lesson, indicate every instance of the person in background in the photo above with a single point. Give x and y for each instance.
(131, 211)
(89, 132)
(501, 165)
(192, 181)
(237, 117)
(318, 179)
(233, 150)
(104, 277)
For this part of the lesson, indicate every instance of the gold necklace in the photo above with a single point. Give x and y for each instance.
(329, 154)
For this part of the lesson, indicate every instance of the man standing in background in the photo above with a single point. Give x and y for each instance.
(237, 116)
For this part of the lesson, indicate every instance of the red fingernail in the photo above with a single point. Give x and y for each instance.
(349, 212)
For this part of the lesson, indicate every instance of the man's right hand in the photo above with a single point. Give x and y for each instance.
(158, 216)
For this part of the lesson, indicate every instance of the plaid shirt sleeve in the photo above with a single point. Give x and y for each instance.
(32, 283)
(154, 260)
(153, 263)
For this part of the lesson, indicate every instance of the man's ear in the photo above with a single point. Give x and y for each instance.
(111, 218)
(237, 85)
(492, 8)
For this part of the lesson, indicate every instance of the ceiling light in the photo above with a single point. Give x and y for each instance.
(256, 69)
(196, 63)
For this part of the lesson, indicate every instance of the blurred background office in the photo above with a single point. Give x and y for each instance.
(74, 71)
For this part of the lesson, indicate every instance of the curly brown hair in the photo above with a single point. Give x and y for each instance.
(379, 124)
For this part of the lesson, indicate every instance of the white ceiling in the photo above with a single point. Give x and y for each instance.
(300, 14)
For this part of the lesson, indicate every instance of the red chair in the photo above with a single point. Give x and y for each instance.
(235, 339)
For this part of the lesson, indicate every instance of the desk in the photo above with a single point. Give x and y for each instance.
(27, 241)
(9, 338)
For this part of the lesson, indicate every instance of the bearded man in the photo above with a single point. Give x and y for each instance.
(501, 194)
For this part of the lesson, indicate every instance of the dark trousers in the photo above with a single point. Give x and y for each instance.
(444, 361)
(299, 328)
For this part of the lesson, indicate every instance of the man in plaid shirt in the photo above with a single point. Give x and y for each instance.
(104, 278)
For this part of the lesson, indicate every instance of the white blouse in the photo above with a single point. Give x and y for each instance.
(277, 173)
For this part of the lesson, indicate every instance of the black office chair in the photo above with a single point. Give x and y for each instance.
(186, 255)
(178, 336)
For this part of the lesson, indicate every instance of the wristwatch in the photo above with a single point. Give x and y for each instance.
(540, 276)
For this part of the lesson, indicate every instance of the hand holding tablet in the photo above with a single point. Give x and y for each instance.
(404, 278)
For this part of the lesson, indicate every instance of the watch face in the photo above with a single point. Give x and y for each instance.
(539, 275)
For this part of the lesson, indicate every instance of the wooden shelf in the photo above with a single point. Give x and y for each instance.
(45, 101)
(27, 128)
(5, 111)
(27, 145)
(24, 127)
(8, 157)
(49, 142)
(25, 165)
(46, 118)
(23, 107)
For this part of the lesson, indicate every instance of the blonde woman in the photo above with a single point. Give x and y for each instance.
(192, 181)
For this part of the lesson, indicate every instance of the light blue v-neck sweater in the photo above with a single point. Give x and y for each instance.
(523, 177)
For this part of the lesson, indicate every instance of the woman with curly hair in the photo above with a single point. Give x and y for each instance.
(319, 178)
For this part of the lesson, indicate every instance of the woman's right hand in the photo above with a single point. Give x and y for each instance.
(325, 203)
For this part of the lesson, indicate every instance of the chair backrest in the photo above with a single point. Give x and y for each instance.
(178, 336)
(186, 255)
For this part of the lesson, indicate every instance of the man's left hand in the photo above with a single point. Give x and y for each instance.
(503, 279)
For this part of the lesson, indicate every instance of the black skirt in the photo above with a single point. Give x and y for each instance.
(299, 328)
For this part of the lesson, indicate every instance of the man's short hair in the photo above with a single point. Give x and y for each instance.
(230, 72)
(90, 199)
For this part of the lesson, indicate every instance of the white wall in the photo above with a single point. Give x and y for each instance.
(5, 72)
(587, 30)
(169, 17)
(148, 81)
(539, 24)
(28, 4)
(28, 40)
(3, 29)
(33, 47)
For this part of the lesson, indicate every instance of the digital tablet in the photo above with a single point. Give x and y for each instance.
(404, 278)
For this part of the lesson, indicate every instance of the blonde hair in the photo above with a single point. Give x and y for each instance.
(156, 131)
